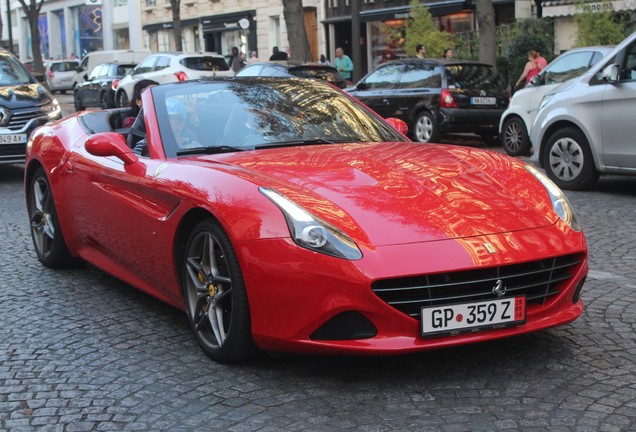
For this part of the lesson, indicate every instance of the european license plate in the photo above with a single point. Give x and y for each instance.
(483, 100)
(13, 139)
(470, 317)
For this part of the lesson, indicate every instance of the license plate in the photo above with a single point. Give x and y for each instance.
(470, 317)
(483, 100)
(13, 139)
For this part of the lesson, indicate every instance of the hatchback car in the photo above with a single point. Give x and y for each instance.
(59, 74)
(97, 90)
(436, 97)
(309, 70)
(25, 104)
(586, 127)
(515, 122)
(168, 67)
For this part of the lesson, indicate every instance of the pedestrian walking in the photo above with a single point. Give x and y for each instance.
(535, 64)
(343, 63)
(253, 58)
(235, 61)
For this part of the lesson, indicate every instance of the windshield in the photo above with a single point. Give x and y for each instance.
(256, 113)
(12, 72)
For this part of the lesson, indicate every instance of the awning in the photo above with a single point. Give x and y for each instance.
(558, 8)
(436, 8)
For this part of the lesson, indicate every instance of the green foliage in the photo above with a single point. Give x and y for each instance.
(422, 29)
(525, 35)
(599, 28)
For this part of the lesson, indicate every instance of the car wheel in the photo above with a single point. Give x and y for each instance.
(425, 129)
(77, 101)
(215, 295)
(103, 101)
(568, 161)
(121, 99)
(514, 137)
(45, 229)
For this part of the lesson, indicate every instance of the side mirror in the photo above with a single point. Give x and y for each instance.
(106, 144)
(362, 86)
(536, 80)
(398, 125)
(610, 73)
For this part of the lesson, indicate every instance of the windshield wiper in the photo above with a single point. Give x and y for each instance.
(209, 150)
(312, 141)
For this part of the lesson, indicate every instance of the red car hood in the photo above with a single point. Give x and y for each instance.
(397, 193)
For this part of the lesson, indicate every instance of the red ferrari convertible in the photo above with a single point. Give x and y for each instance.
(282, 215)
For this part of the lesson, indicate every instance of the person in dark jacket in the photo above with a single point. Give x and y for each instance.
(278, 55)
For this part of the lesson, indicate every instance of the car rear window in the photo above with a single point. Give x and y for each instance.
(469, 76)
(64, 66)
(206, 63)
(124, 69)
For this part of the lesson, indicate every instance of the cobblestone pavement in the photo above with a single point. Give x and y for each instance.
(81, 351)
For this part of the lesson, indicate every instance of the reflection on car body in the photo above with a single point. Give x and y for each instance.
(304, 222)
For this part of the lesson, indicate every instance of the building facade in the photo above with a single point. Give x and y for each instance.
(74, 27)
(219, 25)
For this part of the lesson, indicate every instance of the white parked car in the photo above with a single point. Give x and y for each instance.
(586, 126)
(168, 67)
(59, 74)
(515, 122)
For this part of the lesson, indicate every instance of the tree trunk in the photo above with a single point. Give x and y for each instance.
(296, 32)
(32, 11)
(487, 32)
(176, 24)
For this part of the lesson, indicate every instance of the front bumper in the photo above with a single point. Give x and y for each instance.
(295, 294)
(16, 153)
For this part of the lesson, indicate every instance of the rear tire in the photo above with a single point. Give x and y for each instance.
(121, 99)
(77, 102)
(425, 128)
(568, 160)
(103, 101)
(514, 137)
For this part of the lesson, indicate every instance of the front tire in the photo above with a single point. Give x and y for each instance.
(425, 129)
(48, 240)
(568, 160)
(215, 295)
(514, 137)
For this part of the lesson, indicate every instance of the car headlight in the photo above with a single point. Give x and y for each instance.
(560, 203)
(311, 232)
(52, 110)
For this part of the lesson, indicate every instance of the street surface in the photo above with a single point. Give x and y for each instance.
(81, 351)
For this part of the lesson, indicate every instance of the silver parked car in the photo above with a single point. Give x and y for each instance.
(59, 74)
(586, 126)
(516, 121)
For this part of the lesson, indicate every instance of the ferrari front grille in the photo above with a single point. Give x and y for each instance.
(537, 280)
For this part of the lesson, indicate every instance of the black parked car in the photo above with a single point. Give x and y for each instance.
(436, 97)
(97, 90)
(25, 104)
(306, 70)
